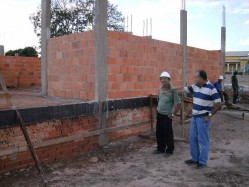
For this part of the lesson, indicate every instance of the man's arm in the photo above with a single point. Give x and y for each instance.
(177, 90)
(216, 107)
(177, 106)
(236, 83)
(176, 109)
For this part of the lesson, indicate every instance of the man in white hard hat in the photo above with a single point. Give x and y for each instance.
(165, 114)
(220, 90)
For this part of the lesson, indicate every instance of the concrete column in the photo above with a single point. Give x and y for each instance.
(223, 47)
(236, 66)
(183, 42)
(228, 69)
(45, 34)
(223, 39)
(1, 50)
(100, 28)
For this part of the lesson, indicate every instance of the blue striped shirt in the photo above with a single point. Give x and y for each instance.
(203, 98)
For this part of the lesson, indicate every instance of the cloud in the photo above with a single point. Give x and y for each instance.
(205, 3)
(165, 16)
(244, 42)
(246, 22)
(197, 16)
(241, 11)
(241, 8)
(15, 27)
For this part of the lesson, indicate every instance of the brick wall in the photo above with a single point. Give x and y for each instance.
(71, 66)
(62, 138)
(21, 71)
(134, 65)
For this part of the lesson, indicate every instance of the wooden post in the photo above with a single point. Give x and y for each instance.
(151, 113)
(182, 118)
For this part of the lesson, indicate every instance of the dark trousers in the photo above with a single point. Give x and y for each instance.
(164, 134)
(235, 95)
(223, 95)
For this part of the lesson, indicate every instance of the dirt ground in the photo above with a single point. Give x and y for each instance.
(131, 163)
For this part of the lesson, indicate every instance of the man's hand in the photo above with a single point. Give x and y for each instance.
(166, 92)
(206, 119)
(171, 116)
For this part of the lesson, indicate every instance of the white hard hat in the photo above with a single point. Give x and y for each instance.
(221, 77)
(165, 74)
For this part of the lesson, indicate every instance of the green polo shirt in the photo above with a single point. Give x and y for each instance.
(167, 102)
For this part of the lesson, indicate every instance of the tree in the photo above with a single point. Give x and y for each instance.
(27, 51)
(73, 16)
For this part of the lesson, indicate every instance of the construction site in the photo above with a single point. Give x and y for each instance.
(84, 113)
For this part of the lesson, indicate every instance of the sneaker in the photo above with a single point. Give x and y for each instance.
(190, 162)
(156, 152)
(200, 166)
(167, 155)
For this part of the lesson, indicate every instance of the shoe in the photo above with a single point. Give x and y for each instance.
(167, 155)
(200, 166)
(156, 152)
(190, 162)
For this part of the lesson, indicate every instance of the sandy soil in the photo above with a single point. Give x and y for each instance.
(131, 163)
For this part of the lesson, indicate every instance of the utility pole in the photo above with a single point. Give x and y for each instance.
(100, 50)
(45, 35)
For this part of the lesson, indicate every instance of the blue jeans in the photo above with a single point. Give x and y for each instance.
(199, 139)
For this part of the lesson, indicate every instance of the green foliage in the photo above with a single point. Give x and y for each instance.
(73, 16)
(27, 51)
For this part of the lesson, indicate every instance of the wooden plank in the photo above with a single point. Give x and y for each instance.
(2, 82)
(4, 95)
(242, 108)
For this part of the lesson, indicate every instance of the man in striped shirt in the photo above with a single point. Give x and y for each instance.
(206, 102)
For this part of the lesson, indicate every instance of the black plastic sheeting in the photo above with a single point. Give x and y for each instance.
(8, 118)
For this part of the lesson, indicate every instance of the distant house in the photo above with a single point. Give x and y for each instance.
(236, 60)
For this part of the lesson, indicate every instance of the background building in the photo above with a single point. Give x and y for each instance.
(236, 60)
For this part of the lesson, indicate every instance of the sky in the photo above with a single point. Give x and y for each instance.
(204, 21)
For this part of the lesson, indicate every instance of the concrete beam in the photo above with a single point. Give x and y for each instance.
(45, 34)
(100, 28)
